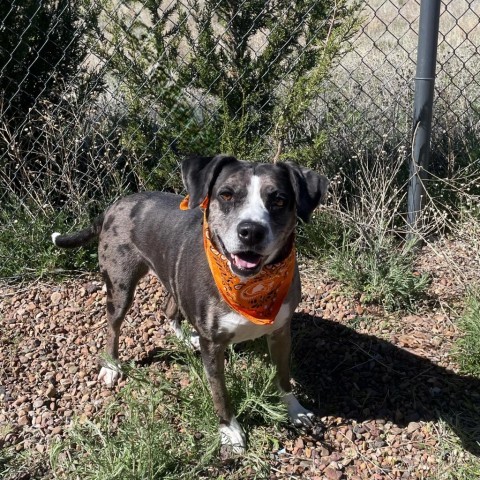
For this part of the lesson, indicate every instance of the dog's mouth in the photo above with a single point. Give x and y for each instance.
(245, 264)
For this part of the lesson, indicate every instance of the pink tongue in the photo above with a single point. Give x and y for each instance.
(241, 263)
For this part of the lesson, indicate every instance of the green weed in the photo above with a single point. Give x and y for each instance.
(158, 428)
(468, 346)
(27, 464)
(382, 274)
(321, 236)
(454, 462)
(28, 250)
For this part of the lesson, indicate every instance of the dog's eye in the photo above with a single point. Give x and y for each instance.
(279, 202)
(227, 196)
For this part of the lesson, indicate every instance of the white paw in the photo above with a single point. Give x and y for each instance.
(300, 416)
(233, 437)
(178, 330)
(109, 376)
(195, 340)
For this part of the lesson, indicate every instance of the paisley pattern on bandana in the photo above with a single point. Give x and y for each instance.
(259, 298)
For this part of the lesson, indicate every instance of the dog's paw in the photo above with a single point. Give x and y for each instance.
(305, 419)
(109, 376)
(233, 438)
(299, 416)
(192, 340)
(195, 340)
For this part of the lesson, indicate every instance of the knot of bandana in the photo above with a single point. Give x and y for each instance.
(258, 298)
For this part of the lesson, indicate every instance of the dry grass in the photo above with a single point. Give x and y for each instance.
(375, 78)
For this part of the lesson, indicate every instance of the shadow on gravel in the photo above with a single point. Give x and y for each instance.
(361, 377)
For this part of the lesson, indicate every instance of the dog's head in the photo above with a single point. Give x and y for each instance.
(253, 207)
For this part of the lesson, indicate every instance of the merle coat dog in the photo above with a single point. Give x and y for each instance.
(252, 212)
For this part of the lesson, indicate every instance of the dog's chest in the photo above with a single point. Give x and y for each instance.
(239, 329)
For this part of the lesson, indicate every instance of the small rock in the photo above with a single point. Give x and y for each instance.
(24, 420)
(38, 404)
(378, 444)
(324, 452)
(412, 427)
(332, 474)
(51, 392)
(299, 443)
(55, 298)
(93, 287)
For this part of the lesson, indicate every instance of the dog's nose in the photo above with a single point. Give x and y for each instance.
(251, 233)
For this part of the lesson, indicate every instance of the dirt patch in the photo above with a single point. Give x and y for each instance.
(379, 383)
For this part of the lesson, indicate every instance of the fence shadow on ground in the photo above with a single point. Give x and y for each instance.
(359, 377)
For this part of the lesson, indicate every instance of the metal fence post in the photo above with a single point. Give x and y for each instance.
(423, 108)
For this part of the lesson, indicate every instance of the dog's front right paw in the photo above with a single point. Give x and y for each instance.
(232, 437)
(299, 415)
(109, 376)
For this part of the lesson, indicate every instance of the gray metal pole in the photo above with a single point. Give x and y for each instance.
(423, 108)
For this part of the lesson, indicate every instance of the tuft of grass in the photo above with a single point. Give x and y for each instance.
(468, 346)
(455, 463)
(27, 250)
(383, 273)
(6, 459)
(167, 428)
(318, 238)
(27, 464)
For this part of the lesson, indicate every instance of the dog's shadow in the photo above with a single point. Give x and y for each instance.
(359, 377)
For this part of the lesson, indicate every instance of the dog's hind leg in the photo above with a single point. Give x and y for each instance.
(173, 314)
(120, 278)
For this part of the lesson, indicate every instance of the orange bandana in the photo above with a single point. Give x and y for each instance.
(259, 298)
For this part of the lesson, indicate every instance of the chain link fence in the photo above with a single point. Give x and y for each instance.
(99, 98)
(375, 80)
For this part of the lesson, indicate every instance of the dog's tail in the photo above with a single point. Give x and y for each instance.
(78, 239)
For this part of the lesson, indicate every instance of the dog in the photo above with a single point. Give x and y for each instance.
(236, 227)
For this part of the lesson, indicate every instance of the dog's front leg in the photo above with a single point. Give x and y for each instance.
(231, 432)
(279, 344)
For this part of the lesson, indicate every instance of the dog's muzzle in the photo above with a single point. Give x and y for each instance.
(246, 260)
(251, 233)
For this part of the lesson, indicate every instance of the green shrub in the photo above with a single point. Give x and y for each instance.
(321, 236)
(468, 346)
(43, 52)
(266, 63)
(229, 80)
(42, 47)
(382, 274)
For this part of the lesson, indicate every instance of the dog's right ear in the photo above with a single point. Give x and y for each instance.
(199, 174)
(310, 189)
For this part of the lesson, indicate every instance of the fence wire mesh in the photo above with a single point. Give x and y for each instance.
(99, 98)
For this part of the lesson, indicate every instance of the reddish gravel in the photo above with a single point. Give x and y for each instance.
(379, 382)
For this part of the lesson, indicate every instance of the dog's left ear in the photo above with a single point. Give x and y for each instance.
(310, 189)
(199, 174)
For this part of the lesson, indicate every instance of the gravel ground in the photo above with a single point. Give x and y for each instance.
(379, 382)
